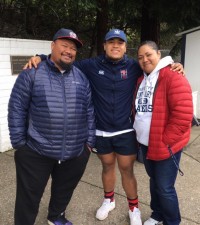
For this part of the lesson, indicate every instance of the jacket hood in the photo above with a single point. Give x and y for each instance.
(161, 64)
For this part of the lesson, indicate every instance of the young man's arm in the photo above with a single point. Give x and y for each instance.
(35, 60)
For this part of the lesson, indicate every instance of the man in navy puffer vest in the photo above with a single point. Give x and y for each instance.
(51, 120)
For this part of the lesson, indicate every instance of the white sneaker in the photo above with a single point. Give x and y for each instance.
(151, 221)
(135, 217)
(105, 208)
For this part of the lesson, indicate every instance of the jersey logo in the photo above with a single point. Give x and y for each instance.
(123, 74)
(101, 72)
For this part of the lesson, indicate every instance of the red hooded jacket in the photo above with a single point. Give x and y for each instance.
(172, 114)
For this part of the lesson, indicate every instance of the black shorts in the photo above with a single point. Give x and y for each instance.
(123, 144)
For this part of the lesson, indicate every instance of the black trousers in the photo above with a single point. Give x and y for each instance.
(33, 172)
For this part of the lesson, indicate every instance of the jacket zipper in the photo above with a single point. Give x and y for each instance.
(65, 119)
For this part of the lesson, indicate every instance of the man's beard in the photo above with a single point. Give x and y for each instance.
(65, 66)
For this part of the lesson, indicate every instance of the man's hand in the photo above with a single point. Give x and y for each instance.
(33, 61)
(89, 148)
(177, 67)
(94, 150)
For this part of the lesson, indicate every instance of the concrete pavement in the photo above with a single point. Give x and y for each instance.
(88, 195)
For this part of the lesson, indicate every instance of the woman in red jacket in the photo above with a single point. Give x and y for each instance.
(164, 110)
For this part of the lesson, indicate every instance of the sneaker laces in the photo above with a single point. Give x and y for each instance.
(106, 203)
(135, 216)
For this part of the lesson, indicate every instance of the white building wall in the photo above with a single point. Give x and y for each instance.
(192, 67)
(13, 47)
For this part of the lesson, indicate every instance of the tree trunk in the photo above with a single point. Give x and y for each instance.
(101, 23)
(150, 25)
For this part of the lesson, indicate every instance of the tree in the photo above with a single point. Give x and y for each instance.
(91, 19)
(150, 21)
(101, 23)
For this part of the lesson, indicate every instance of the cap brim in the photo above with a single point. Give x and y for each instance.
(114, 36)
(78, 43)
